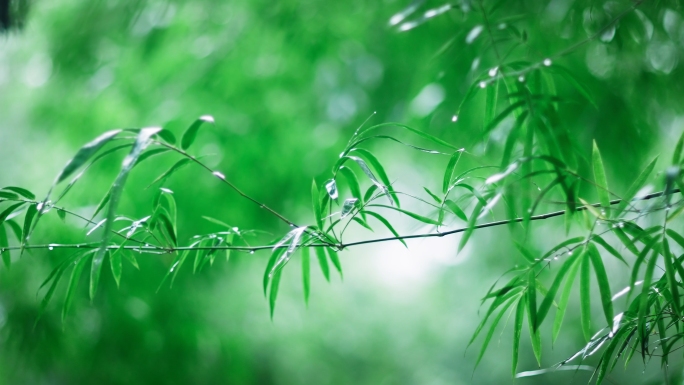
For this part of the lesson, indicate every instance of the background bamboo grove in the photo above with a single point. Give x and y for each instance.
(448, 144)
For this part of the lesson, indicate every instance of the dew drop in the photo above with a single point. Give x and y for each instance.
(547, 62)
(521, 79)
(454, 118)
(50, 248)
(251, 251)
(483, 84)
(569, 252)
(219, 175)
(492, 72)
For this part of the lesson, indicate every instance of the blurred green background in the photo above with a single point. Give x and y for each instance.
(288, 82)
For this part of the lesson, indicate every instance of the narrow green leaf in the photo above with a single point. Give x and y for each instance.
(73, 284)
(410, 214)
(490, 333)
(640, 260)
(141, 142)
(600, 178)
(517, 329)
(499, 300)
(335, 259)
(471, 225)
(8, 195)
(103, 203)
(167, 136)
(565, 297)
(603, 282)
(387, 224)
(570, 78)
(585, 297)
(671, 278)
(323, 261)
(151, 153)
(553, 290)
(318, 215)
(608, 248)
(21, 191)
(306, 273)
(411, 129)
(646, 287)
(676, 237)
(352, 182)
(191, 133)
(453, 207)
(432, 195)
(505, 113)
(16, 229)
(115, 264)
(620, 234)
(4, 243)
(449, 172)
(168, 226)
(85, 153)
(635, 186)
(677, 154)
(273, 294)
(532, 299)
(375, 163)
(275, 255)
(28, 219)
(51, 290)
(176, 166)
(535, 335)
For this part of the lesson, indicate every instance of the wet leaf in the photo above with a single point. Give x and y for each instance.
(352, 182)
(348, 206)
(387, 224)
(177, 166)
(115, 264)
(73, 284)
(273, 293)
(564, 298)
(28, 219)
(671, 278)
(410, 214)
(85, 153)
(191, 133)
(373, 161)
(608, 248)
(294, 238)
(490, 333)
(411, 129)
(585, 297)
(323, 261)
(456, 210)
(553, 290)
(517, 329)
(151, 153)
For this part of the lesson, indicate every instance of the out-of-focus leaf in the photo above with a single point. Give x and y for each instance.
(28, 219)
(167, 136)
(570, 78)
(273, 293)
(600, 178)
(608, 248)
(115, 264)
(505, 113)
(316, 203)
(85, 153)
(603, 282)
(453, 207)
(517, 329)
(490, 333)
(635, 186)
(671, 279)
(191, 133)
(646, 287)
(387, 224)
(6, 257)
(535, 335)
(21, 191)
(411, 129)
(471, 225)
(151, 153)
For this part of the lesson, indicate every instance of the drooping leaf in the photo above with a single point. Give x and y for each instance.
(115, 264)
(141, 142)
(646, 287)
(565, 297)
(535, 335)
(335, 259)
(85, 153)
(570, 78)
(585, 297)
(306, 273)
(323, 261)
(375, 163)
(532, 299)
(151, 153)
(608, 248)
(471, 226)
(352, 182)
(671, 279)
(294, 238)
(28, 219)
(600, 178)
(177, 166)
(603, 282)
(316, 203)
(490, 333)
(432, 195)
(387, 224)
(517, 329)
(73, 284)
(273, 293)
(167, 136)
(348, 206)
(411, 129)
(275, 255)
(453, 207)
(191, 133)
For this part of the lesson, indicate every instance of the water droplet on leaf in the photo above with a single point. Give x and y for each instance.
(454, 118)
(521, 79)
(492, 72)
(547, 62)
(483, 84)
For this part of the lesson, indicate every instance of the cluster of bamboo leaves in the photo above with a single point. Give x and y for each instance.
(539, 162)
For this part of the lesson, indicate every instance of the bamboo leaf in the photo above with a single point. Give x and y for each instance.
(449, 172)
(21, 191)
(608, 248)
(191, 133)
(503, 115)
(115, 264)
(600, 178)
(432, 195)
(375, 163)
(73, 284)
(585, 297)
(387, 224)
(335, 259)
(316, 203)
(411, 129)
(603, 282)
(535, 335)
(323, 261)
(453, 207)
(644, 299)
(6, 256)
(490, 333)
(273, 294)
(471, 226)
(167, 136)
(352, 182)
(553, 290)
(85, 153)
(635, 186)
(28, 219)
(275, 255)
(410, 214)
(532, 299)
(671, 279)
(306, 273)
(176, 166)
(517, 329)
(565, 297)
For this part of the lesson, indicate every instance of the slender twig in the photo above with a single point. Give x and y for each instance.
(339, 246)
